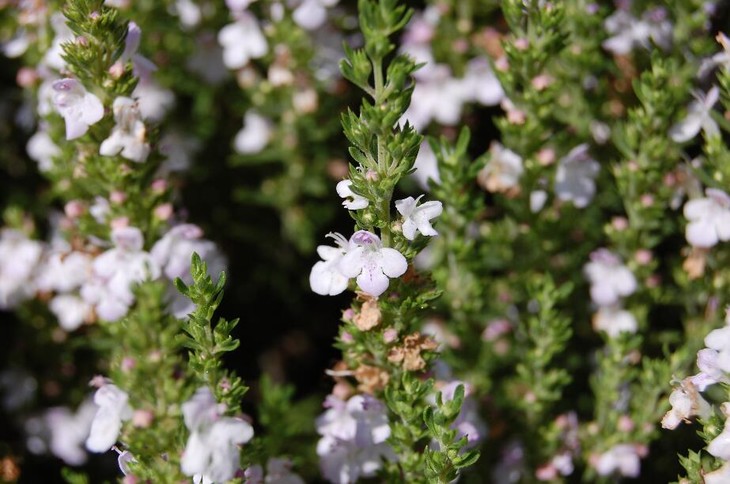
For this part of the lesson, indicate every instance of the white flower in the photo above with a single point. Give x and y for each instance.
(710, 371)
(709, 219)
(426, 166)
(212, 448)
(699, 117)
(70, 310)
(721, 59)
(437, 96)
(720, 445)
(628, 32)
(325, 277)
(718, 476)
(128, 135)
(609, 278)
(371, 263)
(43, 150)
(352, 201)
(503, 170)
(311, 14)
(623, 458)
(188, 12)
(173, 254)
(69, 431)
(107, 423)
(19, 258)
(63, 270)
(575, 175)
(80, 109)
(278, 471)
(53, 56)
(686, 402)
(614, 321)
(417, 218)
(255, 134)
(115, 272)
(242, 41)
(354, 434)
(153, 100)
(481, 84)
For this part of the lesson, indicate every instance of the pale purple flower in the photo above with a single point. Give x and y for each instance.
(325, 278)
(212, 451)
(371, 263)
(575, 177)
(710, 370)
(80, 109)
(623, 459)
(19, 258)
(113, 409)
(255, 134)
(142, 67)
(128, 136)
(354, 434)
(418, 217)
(242, 41)
(311, 14)
(709, 219)
(614, 321)
(699, 117)
(352, 201)
(609, 278)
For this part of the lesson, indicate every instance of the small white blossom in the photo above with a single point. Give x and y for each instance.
(115, 272)
(437, 96)
(709, 219)
(575, 175)
(80, 109)
(628, 32)
(720, 445)
(19, 258)
(212, 449)
(621, 458)
(352, 201)
(686, 402)
(69, 431)
(354, 434)
(70, 310)
(53, 57)
(614, 321)
(113, 410)
(325, 278)
(503, 170)
(242, 41)
(417, 217)
(371, 263)
(153, 100)
(699, 117)
(481, 84)
(426, 166)
(43, 150)
(718, 476)
(311, 14)
(188, 12)
(609, 278)
(129, 133)
(255, 134)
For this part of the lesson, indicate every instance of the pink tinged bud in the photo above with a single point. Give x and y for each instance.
(116, 70)
(130, 479)
(159, 185)
(94, 15)
(546, 156)
(82, 41)
(643, 256)
(371, 175)
(625, 424)
(390, 335)
(541, 82)
(154, 356)
(347, 338)
(342, 391)
(74, 209)
(460, 46)
(119, 223)
(502, 64)
(142, 418)
(27, 77)
(647, 200)
(548, 472)
(164, 211)
(117, 196)
(620, 223)
(522, 43)
(128, 363)
(516, 116)
(348, 314)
